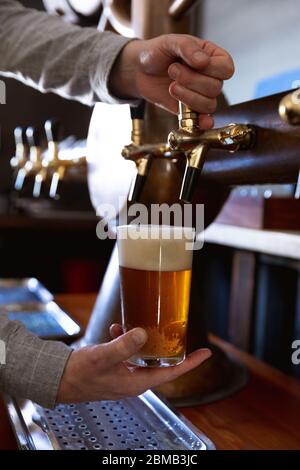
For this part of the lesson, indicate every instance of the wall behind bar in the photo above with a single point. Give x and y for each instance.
(263, 37)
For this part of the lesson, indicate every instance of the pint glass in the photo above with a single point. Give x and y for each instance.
(155, 276)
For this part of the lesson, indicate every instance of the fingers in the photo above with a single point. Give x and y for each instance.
(220, 67)
(144, 379)
(115, 330)
(206, 121)
(122, 348)
(195, 81)
(200, 55)
(154, 377)
(187, 48)
(197, 102)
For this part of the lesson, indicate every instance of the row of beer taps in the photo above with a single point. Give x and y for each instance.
(193, 144)
(189, 142)
(41, 164)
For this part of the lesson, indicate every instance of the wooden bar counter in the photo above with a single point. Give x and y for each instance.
(264, 415)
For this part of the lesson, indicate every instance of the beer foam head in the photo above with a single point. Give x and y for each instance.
(155, 248)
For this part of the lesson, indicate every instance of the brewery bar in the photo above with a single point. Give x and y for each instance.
(150, 229)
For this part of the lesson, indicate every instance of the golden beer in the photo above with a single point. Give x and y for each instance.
(155, 273)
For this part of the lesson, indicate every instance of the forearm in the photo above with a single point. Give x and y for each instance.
(33, 368)
(51, 55)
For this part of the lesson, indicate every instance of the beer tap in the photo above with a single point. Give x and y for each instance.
(58, 166)
(51, 127)
(289, 111)
(22, 149)
(143, 162)
(195, 143)
(34, 163)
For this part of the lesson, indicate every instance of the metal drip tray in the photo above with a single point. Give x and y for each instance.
(142, 423)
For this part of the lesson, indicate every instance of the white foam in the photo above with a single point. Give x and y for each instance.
(155, 248)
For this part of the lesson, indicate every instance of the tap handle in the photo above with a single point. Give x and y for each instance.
(52, 130)
(20, 136)
(138, 112)
(34, 137)
(188, 119)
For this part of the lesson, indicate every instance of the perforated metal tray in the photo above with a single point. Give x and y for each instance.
(141, 423)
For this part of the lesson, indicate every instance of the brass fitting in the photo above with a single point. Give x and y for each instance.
(289, 108)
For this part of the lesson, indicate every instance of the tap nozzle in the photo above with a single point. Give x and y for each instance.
(192, 172)
(144, 161)
(195, 143)
(142, 164)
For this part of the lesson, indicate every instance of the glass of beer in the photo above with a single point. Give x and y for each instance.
(155, 275)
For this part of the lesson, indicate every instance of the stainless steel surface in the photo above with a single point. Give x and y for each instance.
(140, 423)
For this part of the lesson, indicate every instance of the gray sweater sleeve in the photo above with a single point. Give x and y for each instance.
(50, 55)
(45, 52)
(30, 367)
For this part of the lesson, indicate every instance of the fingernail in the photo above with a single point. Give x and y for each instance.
(174, 72)
(139, 336)
(177, 90)
(199, 56)
(207, 351)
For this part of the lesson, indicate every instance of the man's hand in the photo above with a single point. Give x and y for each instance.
(172, 68)
(101, 373)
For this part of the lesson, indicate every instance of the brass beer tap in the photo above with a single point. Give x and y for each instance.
(187, 141)
(195, 142)
(55, 166)
(143, 160)
(52, 130)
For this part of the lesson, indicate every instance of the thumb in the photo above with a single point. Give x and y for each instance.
(187, 48)
(125, 346)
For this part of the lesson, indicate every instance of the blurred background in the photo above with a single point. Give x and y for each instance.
(54, 239)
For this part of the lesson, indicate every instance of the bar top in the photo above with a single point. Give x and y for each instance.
(264, 415)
